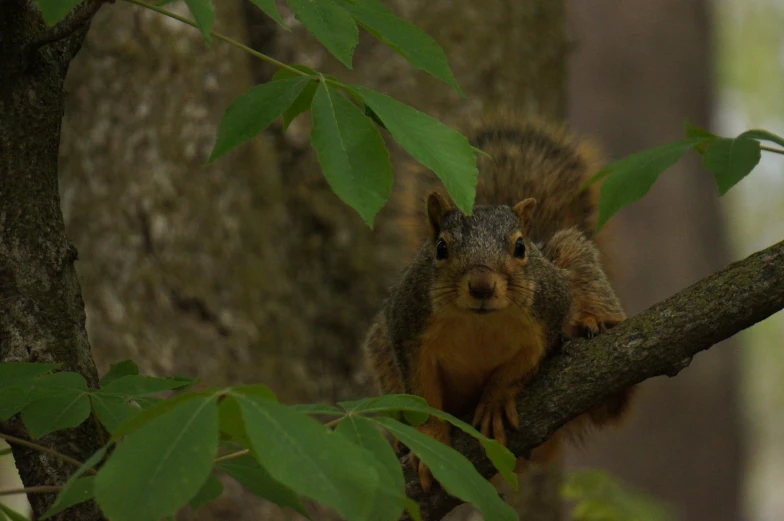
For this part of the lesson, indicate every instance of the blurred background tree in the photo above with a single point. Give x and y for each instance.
(252, 270)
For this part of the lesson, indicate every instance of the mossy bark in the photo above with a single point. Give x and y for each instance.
(42, 315)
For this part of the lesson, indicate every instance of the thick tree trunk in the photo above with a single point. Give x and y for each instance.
(41, 311)
(682, 444)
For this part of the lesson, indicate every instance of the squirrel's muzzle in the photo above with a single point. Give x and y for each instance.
(482, 284)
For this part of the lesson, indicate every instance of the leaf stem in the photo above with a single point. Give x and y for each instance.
(771, 149)
(219, 36)
(41, 448)
(334, 422)
(43, 489)
(232, 455)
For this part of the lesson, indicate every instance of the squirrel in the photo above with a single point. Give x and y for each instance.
(487, 296)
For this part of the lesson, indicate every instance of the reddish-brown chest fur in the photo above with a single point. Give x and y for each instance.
(466, 349)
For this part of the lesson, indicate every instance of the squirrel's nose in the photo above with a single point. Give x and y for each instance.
(481, 289)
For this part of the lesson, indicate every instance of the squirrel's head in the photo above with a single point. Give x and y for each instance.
(480, 260)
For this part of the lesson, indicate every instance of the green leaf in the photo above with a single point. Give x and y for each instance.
(211, 490)
(204, 15)
(453, 470)
(17, 385)
(91, 462)
(351, 152)
(247, 471)
(73, 493)
(282, 74)
(309, 458)
(300, 105)
(269, 8)
(135, 385)
(406, 39)
(388, 501)
(5, 452)
(55, 10)
(763, 135)
(440, 148)
(629, 179)
(12, 515)
(417, 409)
(112, 411)
(157, 409)
(305, 98)
(60, 402)
(253, 111)
(118, 370)
(600, 497)
(160, 466)
(12, 373)
(317, 408)
(330, 24)
(730, 160)
(693, 131)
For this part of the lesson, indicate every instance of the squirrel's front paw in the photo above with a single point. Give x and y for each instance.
(491, 412)
(438, 430)
(589, 326)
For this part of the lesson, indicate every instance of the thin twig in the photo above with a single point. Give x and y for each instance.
(219, 36)
(41, 448)
(771, 149)
(43, 489)
(232, 455)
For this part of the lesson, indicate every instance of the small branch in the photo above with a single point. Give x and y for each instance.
(771, 149)
(41, 448)
(659, 341)
(233, 455)
(219, 36)
(81, 15)
(43, 489)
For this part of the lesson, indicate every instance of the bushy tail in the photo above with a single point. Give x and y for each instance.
(530, 158)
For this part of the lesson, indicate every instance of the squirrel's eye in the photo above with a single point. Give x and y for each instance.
(442, 252)
(519, 251)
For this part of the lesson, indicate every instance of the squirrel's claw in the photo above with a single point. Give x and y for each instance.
(490, 414)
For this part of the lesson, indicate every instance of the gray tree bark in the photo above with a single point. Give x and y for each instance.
(41, 310)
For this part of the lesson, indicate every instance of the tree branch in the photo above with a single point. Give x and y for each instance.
(659, 341)
(81, 15)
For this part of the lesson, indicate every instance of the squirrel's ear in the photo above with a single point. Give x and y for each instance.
(437, 206)
(525, 211)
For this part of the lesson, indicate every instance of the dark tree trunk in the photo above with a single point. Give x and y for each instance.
(41, 311)
(639, 69)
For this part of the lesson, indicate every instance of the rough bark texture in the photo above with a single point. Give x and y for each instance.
(41, 311)
(630, 96)
(659, 341)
